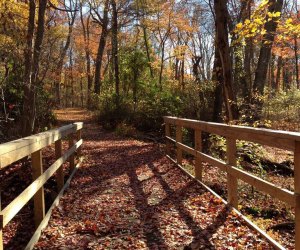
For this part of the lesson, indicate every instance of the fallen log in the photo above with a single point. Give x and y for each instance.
(284, 168)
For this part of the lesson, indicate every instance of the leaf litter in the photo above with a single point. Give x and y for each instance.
(128, 195)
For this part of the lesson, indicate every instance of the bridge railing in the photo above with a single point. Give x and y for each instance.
(274, 138)
(32, 146)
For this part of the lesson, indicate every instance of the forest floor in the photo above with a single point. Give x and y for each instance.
(128, 195)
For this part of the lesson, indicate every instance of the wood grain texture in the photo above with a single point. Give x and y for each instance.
(39, 197)
(232, 182)
(72, 156)
(16, 205)
(179, 140)
(297, 194)
(168, 134)
(60, 171)
(16, 150)
(198, 147)
(274, 138)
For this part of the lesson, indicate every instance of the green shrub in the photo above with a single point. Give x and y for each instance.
(124, 129)
(150, 111)
(284, 105)
(45, 117)
(110, 115)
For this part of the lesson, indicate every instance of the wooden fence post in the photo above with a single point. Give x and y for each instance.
(39, 199)
(72, 157)
(168, 133)
(78, 136)
(1, 234)
(198, 147)
(179, 139)
(231, 180)
(297, 194)
(60, 171)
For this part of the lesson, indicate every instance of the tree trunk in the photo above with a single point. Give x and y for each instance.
(101, 47)
(86, 37)
(29, 105)
(147, 51)
(81, 93)
(296, 63)
(286, 76)
(218, 78)
(161, 65)
(247, 89)
(115, 56)
(272, 74)
(71, 78)
(224, 52)
(265, 50)
(62, 57)
(26, 126)
(278, 74)
(182, 74)
(196, 62)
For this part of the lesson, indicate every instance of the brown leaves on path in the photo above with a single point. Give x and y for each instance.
(127, 195)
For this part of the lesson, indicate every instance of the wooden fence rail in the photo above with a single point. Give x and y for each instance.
(279, 139)
(13, 151)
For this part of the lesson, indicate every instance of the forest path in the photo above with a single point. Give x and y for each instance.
(128, 195)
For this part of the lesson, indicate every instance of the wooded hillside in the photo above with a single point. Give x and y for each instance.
(129, 63)
(134, 61)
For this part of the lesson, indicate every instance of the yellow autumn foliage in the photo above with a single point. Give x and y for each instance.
(254, 26)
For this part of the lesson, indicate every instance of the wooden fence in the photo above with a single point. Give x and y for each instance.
(279, 139)
(31, 146)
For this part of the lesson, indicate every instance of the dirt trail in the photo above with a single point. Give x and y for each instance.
(128, 195)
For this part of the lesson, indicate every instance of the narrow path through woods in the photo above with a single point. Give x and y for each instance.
(128, 195)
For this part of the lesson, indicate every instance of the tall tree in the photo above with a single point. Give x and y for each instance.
(103, 22)
(266, 46)
(86, 36)
(115, 56)
(224, 53)
(32, 58)
(71, 15)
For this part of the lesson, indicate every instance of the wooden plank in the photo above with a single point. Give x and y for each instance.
(72, 157)
(274, 138)
(16, 205)
(23, 142)
(232, 182)
(78, 125)
(213, 161)
(297, 194)
(1, 227)
(186, 148)
(170, 119)
(168, 134)
(198, 162)
(16, 150)
(78, 137)
(60, 171)
(39, 198)
(264, 186)
(178, 149)
(34, 239)
(170, 139)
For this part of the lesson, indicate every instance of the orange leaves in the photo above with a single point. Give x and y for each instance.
(88, 227)
(167, 18)
(287, 33)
